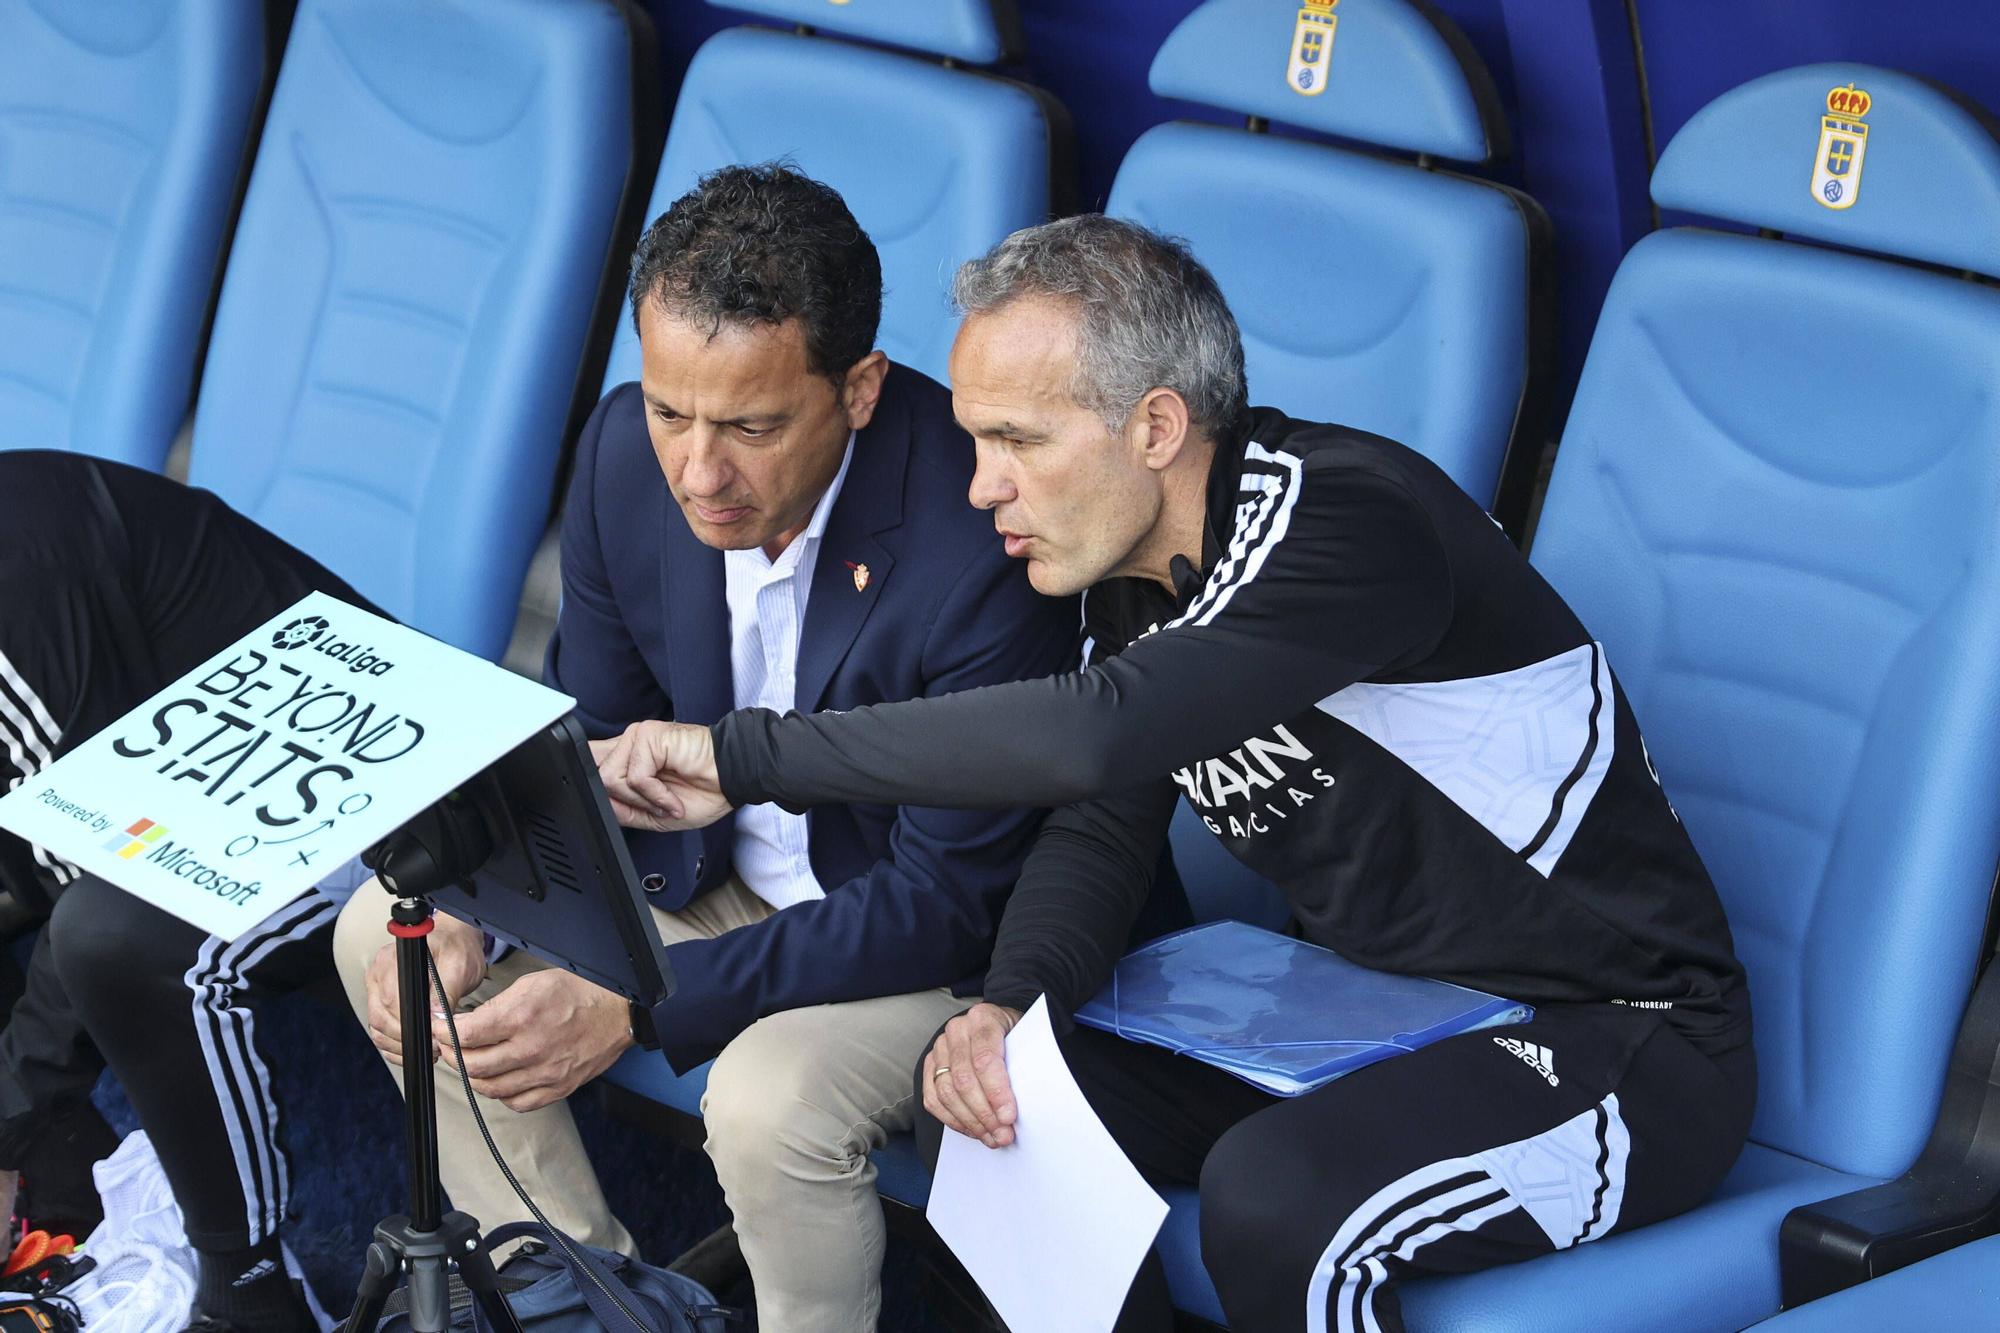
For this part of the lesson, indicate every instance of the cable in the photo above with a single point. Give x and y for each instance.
(458, 1057)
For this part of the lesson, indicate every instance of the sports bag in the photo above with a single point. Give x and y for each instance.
(552, 1292)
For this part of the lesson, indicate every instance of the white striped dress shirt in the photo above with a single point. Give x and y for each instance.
(767, 611)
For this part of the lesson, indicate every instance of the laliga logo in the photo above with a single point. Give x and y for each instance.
(304, 630)
(314, 632)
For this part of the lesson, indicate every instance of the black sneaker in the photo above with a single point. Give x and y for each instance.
(301, 1319)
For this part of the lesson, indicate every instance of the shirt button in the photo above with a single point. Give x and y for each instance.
(653, 883)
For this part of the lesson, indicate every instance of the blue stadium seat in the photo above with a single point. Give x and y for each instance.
(412, 286)
(1774, 504)
(1958, 1289)
(937, 163)
(1371, 290)
(123, 130)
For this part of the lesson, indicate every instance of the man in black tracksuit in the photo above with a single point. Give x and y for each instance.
(115, 582)
(1370, 696)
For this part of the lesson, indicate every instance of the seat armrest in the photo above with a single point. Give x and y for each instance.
(1951, 1195)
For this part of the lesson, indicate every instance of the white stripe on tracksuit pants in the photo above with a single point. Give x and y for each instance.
(173, 1012)
(1462, 1194)
(226, 1032)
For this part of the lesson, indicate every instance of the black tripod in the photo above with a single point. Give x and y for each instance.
(421, 1243)
(470, 834)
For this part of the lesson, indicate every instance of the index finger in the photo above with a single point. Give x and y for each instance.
(612, 769)
(656, 794)
(642, 778)
(970, 1057)
(997, 1087)
(489, 1024)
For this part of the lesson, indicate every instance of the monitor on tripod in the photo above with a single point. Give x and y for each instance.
(528, 851)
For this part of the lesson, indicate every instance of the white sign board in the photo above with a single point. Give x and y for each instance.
(233, 790)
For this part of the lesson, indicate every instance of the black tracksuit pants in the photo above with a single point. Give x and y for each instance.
(1483, 1149)
(173, 1011)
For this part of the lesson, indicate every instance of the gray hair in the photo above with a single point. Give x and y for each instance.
(1153, 316)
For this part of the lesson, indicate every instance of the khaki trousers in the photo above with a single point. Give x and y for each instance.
(793, 1108)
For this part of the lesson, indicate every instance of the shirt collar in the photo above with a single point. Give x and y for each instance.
(815, 526)
(824, 509)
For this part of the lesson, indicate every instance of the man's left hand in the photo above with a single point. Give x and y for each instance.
(540, 1039)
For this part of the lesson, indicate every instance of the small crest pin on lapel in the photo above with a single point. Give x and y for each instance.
(860, 575)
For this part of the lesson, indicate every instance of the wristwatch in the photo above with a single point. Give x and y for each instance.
(641, 1020)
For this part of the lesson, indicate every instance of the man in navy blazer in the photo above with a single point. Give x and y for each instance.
(775, 513)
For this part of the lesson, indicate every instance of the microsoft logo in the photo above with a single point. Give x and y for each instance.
(135, 839)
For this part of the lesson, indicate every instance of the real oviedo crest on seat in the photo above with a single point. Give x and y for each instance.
(1312, 43)
(1843, 142)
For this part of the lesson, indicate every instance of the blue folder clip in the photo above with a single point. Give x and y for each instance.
(1277, 1012)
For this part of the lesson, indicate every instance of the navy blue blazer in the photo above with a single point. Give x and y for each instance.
(914, 895)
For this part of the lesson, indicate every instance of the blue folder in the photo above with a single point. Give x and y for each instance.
(1277, 1012)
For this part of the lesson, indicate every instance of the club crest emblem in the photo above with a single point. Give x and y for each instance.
(860, 575)
(1312, 43)
(1843, 142)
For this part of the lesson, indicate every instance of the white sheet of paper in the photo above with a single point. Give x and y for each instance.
(1053, 1226)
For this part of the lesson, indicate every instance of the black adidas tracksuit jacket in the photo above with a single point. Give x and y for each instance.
(1371, 697)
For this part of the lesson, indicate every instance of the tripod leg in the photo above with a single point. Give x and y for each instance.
(378, 1279)
(476, 1267)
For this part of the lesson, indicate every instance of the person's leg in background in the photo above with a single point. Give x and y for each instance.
(174, 1012)
(49, 1130)
(48, 1127)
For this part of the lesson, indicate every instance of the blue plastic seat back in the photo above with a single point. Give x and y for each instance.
(1218, 886)
(936, 164)
(1775, 505)
(122, 132)
(411, 289)
(977, 32)
(1369, 291)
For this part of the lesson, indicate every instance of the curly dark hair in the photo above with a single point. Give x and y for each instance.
(760, 245)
